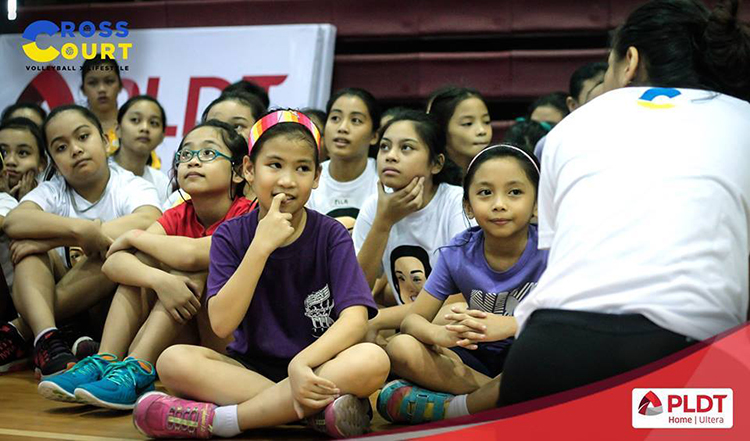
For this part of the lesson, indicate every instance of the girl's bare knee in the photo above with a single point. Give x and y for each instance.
(367, 367)
(176, 363)
(401, 351)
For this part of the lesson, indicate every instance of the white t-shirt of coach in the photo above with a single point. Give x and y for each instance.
(644, 204)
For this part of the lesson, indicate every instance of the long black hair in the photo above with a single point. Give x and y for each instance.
(684, 44)
(433, 135)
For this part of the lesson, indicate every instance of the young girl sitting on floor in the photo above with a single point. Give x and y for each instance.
(350, 177)
(400, 229)
(207, 164)
(86, 204)
(286, 281)
(24, 157)
(140, 129)
(494, 265)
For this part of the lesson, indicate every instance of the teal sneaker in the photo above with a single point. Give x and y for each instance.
(403, 402)
(121, 385)
(62, 387)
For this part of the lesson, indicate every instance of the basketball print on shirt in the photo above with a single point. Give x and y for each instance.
(318, 307)
(503, 303)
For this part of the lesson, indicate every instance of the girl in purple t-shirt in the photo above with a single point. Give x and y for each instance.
(285, 280)
(494, 266)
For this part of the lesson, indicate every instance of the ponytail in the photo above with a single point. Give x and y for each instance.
(683, 44)
(726, 51)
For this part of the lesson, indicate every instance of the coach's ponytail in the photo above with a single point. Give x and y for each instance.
(683, 44)
(726, 51)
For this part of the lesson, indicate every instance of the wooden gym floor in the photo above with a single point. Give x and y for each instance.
(26, 415)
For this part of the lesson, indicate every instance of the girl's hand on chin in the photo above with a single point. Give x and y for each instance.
(392, 207)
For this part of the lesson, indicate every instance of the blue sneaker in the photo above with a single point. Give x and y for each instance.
(121, 385)
(62, 387)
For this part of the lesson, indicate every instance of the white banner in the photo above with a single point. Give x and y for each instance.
(184, 68)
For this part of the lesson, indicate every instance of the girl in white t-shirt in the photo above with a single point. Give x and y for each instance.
(168, 271)
(350, 176)
(415, 209)
(140, 129)
(463, 114)
(86, 204)
(643, 203)
(23, 158)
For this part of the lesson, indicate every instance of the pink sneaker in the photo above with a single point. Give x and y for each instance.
(346, 417)
(158, 415)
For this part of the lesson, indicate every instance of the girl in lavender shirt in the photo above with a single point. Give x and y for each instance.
(494, 266)
(285, 280)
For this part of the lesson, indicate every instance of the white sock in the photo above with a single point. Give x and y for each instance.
(457, 407)
(36, 339)
(225, 422)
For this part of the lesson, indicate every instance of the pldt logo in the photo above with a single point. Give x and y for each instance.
(685, 408)
(650, 405)
(70, 50)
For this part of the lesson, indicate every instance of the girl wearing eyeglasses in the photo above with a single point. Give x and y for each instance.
(170, 266)
(140, 129)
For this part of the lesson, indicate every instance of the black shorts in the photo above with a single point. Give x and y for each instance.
(273, 369)
(559, 350)
(487, 359)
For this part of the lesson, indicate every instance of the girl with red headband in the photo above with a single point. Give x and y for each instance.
(285, 280)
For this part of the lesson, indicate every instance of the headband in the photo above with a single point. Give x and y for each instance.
(278, 117)
(507, 146)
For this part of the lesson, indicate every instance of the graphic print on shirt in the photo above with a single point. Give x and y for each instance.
(410, 267)
(503, 303)
(346, 216)
(318, 307)
(658, 98)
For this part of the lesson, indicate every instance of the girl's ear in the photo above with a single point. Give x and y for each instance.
(238, 174)
(468, 210)
(375, 137)
(317, 177)
(248, 170)
(438, 164)
(42, 164)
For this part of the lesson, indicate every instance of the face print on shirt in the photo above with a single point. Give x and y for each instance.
(410, 267)
(346, 216)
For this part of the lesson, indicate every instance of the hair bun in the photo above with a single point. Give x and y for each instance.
(726, 50)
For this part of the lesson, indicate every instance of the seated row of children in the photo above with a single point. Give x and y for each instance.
(292, 315)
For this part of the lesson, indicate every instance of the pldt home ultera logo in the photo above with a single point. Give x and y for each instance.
(684, 408)
(70, 49)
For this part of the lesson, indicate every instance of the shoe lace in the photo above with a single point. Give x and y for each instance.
(52, 347)
(185, 419)
(122, 373)
(88, 364)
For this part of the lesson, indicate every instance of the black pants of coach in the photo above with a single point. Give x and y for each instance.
(559, 350)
